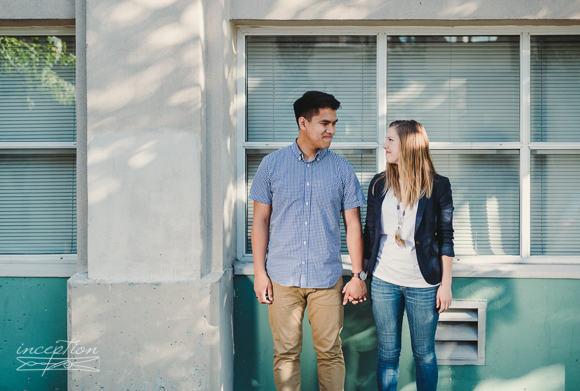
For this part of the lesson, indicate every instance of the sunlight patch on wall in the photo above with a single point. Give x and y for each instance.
(550, 378)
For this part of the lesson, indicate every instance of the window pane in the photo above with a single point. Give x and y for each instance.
(485, 189)
(37, 89)
(555, 88)
(555, 204)
(37, 202)
(461, 88)
(363, 162)
(280, 69)
(253, 160)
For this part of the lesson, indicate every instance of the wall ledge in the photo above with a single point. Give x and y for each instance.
(474, 270)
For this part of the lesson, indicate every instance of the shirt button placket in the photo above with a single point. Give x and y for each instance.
(307, 192)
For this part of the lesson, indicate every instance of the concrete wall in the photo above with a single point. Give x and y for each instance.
(145, 125)
(161, 152)
(533, 340)
(220, 135)
(152, 336)
(156, 300)
(369, 10)
(325, 9)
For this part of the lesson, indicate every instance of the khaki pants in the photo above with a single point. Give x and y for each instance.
(326, 315)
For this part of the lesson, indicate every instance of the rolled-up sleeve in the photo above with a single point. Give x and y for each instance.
(260, 190)
(445, 220)
(353, 196)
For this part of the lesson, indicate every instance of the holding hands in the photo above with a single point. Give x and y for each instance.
(355, 291)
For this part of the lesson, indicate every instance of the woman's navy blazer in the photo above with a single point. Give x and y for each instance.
(433, 227)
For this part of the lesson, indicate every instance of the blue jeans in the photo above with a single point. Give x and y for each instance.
(389, 301)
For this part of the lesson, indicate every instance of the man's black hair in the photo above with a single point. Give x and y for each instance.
(311, 102)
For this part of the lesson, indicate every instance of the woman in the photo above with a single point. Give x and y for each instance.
(409, 247)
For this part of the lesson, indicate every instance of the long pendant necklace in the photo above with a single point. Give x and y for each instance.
(398, 236)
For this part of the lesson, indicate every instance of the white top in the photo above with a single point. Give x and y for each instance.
(398, 265)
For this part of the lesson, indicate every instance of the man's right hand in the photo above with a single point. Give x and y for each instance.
(263, 286)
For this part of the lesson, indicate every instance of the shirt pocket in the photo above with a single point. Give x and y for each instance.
(327, 190)
(286, 190)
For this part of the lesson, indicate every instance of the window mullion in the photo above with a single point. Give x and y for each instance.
(381, 98)
(525, 137)
(335, 146)
(241, 138)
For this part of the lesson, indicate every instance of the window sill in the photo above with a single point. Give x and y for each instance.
(482, 267)
(52, 265)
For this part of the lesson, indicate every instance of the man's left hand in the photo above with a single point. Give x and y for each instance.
(355, 291)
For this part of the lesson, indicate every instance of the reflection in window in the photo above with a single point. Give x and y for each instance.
(555, 211)
(485, 189)
(37, 89)
(37, 185)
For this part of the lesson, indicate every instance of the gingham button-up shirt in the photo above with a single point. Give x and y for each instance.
(307, 199)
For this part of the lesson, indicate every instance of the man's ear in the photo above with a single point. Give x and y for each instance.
(302, 123)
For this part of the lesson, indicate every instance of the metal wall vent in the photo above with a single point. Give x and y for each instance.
(460, 336)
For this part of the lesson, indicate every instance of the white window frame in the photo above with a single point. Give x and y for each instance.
(41, 265)
(493, 266)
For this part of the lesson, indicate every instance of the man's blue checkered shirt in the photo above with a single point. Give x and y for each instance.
(307, 199)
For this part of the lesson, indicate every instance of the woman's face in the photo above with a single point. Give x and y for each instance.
(392, 146)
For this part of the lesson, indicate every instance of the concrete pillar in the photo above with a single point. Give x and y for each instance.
(156, 300)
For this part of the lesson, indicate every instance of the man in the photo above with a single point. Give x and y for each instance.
(299, 193)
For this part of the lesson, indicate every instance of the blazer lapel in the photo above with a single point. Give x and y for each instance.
(420, 210)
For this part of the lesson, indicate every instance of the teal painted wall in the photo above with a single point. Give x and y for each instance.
(33, 314)
(533, 340)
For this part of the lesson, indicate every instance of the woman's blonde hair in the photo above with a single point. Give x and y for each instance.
(415, 166)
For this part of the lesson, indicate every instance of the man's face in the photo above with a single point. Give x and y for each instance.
(318, 132)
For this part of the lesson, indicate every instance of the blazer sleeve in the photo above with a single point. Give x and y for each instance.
(445, 218)
(369, 228)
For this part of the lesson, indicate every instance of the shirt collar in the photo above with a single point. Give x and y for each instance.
(319, 155)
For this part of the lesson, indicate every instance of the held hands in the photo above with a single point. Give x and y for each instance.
(355, 291)
(263, 288)
(444, 297)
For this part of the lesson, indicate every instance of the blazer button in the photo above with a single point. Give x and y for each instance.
(417, 242)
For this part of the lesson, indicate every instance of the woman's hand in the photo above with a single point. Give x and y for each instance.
(444, 297)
